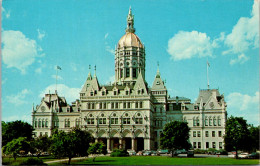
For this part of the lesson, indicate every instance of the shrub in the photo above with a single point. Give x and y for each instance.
(119, 153)
(33, 161)
(200, 151)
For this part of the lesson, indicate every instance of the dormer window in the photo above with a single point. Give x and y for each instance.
(115, 92)
(126, 92)
(103, 93)
(68, 109)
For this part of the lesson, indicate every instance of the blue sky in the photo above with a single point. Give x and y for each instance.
(37, 35)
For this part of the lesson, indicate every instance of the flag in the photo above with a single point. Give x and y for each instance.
(208, 64)
(58, 67)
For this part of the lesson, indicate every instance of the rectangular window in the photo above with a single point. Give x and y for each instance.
(105, 105)
(121, 73)
(219, 133)
(194, 133)
(198, 133)
(207, 145)
(124, 105)
(40, 133)
(112, 105)
(214, 122)
(116, 105)
(46, 133)
(126, 92)
(141, 104)
(194, 122)
(112, 121)
(199, 145)
(88, 105)
(114, 92)
(194, 145)
(136, 105)
(128, 105)
(198, 122)
(207, 133)
(116, 120)
(220, 145)
(213, 133)
(93, 106)
(100, 105)
(213, 144)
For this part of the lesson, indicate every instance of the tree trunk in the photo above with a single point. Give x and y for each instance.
(69, 160)
(236, 155)
(172, 153)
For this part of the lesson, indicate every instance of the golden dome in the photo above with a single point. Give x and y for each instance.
(130, 39)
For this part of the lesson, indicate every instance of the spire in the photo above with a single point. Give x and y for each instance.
(130, 22)
(158, 71)
(89, 74)
(95, 67)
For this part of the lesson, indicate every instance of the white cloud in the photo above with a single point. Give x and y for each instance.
(18, 51)
(240, 59)
(19, 98)
(38, 70)
(245, 33)
(186, 45)
(243, 105)
(111, 79)
(73, 66)
(41, 34)
(7, 14)
(106, 35)
(4, 81)
(58, 77)
(110, 50)
(71, 94)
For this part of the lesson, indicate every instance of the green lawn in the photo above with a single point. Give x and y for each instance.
(10, 160)
(163, 160)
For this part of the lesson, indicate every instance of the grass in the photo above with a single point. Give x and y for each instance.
(163, 160)
(10, 160)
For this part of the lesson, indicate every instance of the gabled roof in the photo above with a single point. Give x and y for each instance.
(158, 84)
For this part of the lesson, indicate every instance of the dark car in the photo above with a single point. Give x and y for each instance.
(254, 155)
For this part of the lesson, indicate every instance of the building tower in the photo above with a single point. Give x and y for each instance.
(129, 55)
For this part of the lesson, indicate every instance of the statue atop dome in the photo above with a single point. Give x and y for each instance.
(130, 22)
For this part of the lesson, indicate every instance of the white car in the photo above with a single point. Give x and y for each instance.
(243, 155)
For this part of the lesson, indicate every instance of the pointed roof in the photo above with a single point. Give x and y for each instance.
(140, 83)
(158, 84)
(205, 95)
(87, 83)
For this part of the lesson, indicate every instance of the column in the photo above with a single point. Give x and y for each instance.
(133, 143)
(120, 143)
(108, 144)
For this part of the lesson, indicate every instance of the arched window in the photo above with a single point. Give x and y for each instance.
(46, 123)
(126, 118)
(194, 121)
(206, 121)
(214, 121)
(114, 119)
(35, 123)
(219, 121)
(138, 118)
(197, 122)
(43, 123)
(210, 121)
(39, 123)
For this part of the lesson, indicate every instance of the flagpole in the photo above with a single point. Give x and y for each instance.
(56, 78)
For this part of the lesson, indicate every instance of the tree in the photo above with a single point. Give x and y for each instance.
(237, 134)
(41, 144)
(175, 136)
(71, 144)
(254, 137)
(16, 129)
(15, 146)
(96, 149)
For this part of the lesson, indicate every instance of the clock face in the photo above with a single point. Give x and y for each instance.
(43, 108)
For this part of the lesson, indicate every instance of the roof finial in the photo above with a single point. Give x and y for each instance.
(95, 67)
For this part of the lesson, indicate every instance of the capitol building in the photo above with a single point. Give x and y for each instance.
(129, 114)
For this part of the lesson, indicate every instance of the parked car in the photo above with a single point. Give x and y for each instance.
(163, 151)
(154, 153)
(147, 153)
(190, 153)
(254, 155)
(131, 152)
(243, 155)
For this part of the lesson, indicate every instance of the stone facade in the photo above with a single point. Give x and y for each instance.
(127, 113)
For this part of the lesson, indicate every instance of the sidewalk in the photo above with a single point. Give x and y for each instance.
(62, 160)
